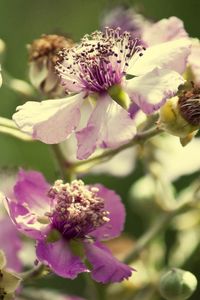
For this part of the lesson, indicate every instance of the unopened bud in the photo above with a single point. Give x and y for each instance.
(177, 284)
(180, 116)
(43, 55)
(9, 281)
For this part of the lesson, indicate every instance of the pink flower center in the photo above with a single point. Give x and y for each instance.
(78, 210)
(98, 62)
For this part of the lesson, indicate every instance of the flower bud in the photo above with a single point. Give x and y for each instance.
(9, 281)
(177, 284)
(180, 116)
(43, 54)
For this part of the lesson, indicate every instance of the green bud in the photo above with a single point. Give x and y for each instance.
(9, 281)
(177, 284)
(118, 94)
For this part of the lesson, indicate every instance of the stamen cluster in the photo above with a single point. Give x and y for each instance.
(78, 209)
(99, 61)
(189, 105)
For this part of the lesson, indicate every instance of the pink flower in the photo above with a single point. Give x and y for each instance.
(91, 70)
(79, 216)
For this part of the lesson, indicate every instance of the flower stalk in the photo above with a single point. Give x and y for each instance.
(140, 138)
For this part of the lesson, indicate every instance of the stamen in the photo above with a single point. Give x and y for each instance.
(189, 105)
(78, 208)
(99, 61)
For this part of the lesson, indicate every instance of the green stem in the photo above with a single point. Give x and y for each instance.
(34, 273)
(15, 133)
(65, 167)
(140, 138)
(91, 289)
(158, 226)
(20, 86)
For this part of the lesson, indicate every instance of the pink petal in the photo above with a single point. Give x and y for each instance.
(150, 91)
(60, 259)
(109, 126)
(50, 121)
(26, 221)
(31, 189)
(116, 209)
(9, 235)
(170, 55)
(29, 202)
(163, 31)
(106, 268)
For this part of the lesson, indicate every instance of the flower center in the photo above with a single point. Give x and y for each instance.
(98, 62)
(78, 209)
(189, 105)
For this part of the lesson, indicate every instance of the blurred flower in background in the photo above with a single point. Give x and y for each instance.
(43, 55)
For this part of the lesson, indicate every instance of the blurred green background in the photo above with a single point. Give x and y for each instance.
(21, 21)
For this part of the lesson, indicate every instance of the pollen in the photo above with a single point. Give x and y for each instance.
(189, 106)
(78, 209)
(99, 61)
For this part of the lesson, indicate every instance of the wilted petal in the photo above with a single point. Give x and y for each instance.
(116, 211)
(60, 259)
(163, 31)
(109, 126)
(170, 55)
(106, 268)
(50, 121)
(150, 91)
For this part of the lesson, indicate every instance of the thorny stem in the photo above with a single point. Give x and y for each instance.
(158, 226)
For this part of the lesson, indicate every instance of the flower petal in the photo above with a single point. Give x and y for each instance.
(50, 121)
(31, 189)
(194, 61)
(116, 209)
(9, 233)
(150, 91)
(26, 221)
(163, 31)
(109, 126)
(106, 268)
(60, 259)
(170, 55)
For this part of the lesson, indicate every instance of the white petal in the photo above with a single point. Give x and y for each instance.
(108, 127)
(150, 91)
(163, 31)
(170, 55)
(50, 121)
